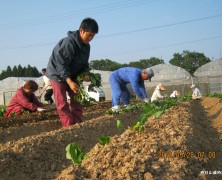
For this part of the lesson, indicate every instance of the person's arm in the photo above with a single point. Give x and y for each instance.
(36, 101)
(139, 89)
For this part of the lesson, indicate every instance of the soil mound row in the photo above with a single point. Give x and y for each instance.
(175, 146)
(180, 144)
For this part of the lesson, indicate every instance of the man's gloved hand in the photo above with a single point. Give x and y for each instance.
(40, 109)
(146, 100)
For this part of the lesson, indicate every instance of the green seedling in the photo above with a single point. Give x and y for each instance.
(2, 110)
(119, 124)
(25, 112)
(104, 140)
(13, 114)
(139, 126)
(74, 153)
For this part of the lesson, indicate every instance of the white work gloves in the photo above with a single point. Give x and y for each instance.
(40, 109)
(146, 100)
(116, 108)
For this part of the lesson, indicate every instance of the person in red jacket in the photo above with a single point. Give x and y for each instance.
(24, 99)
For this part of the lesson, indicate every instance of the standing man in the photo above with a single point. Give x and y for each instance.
(121, 77)
(70, 57)
(47, 88)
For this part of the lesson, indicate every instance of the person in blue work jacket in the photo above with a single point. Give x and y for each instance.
(121, 77)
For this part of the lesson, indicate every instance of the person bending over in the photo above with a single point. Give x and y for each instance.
(24, 100)
(123, 76)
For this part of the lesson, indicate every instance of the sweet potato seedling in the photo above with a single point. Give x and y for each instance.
(104, 140)
(74, 153)
(119, 124)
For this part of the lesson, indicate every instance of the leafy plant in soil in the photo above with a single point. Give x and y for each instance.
(155, 108)
(74, 153)
(104, 140)
(186, 97)
(127, 108)
(2, 110)
(119, 124)
(217, 95)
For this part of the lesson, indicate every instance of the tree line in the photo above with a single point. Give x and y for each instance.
(187, 60)
(190, 61)
(19, 71)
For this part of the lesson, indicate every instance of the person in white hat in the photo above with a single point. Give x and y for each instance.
(157, 92)
(123, 76)
(175, 94)
(196, 92)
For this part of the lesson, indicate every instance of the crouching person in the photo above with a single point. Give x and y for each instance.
(196, 93)
(24, 100)
(157, 93)
(175, 94)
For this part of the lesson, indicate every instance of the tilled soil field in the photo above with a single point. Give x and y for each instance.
(183, 143)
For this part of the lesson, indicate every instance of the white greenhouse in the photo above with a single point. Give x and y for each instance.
(210, 75)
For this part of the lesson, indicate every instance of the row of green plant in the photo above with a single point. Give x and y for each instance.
(3, 110)
(217, 95)
(127, 108)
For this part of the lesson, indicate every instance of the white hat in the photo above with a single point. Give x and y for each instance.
(161, 87)
(150, 73)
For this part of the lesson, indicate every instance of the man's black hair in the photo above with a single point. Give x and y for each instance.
(89, 25)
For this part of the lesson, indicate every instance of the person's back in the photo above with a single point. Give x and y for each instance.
(128, 74)
(175, 94)
(196, 92)
(69, 52)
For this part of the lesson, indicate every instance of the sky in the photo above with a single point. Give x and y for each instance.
(129, 30)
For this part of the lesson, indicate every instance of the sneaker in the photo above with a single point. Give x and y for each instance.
(115, 109)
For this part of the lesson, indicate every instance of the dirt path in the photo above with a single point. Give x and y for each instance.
(36, 150)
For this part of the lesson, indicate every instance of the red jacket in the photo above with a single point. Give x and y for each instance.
(22, 100)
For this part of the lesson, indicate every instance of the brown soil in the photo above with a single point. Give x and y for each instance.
(178, 145)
